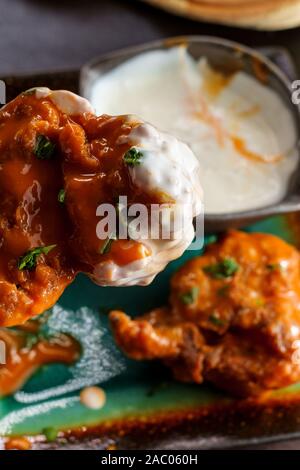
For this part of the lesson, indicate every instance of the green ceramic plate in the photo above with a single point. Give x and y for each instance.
(145, 408)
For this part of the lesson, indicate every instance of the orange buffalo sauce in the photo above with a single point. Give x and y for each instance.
(18, 443)
(126, 251)
(55, 170)
(25, 352)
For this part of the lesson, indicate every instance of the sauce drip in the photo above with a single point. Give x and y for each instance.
(26, 350)
(18, 443)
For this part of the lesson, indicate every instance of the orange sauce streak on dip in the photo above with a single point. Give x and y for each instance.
(214, 122)
(215, 82)
(240, 147)
(22, 361)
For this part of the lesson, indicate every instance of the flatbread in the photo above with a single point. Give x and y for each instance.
(258, 14)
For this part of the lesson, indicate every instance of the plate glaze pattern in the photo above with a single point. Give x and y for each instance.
(145, 408)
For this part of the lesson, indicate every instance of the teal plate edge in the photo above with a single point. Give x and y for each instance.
(136, 392)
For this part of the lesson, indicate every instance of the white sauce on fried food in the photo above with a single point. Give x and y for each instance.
(168, 167)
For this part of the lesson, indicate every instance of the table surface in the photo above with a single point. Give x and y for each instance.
(39, 35)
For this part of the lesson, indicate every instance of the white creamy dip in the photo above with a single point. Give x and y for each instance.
(240, 130)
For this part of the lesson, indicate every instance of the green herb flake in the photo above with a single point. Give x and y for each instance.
(259, 302)
(133, 157)
(273, 267)
(61, 196)
(105, 248)
(223, 291)
(44, 148)
(217, 321)
(29, 260)
(223, 269)
(190, 296)
(50, 434)
(31, 340)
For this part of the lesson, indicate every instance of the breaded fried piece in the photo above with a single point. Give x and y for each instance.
(232, 319)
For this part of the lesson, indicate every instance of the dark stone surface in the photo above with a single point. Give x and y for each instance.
(37, 35)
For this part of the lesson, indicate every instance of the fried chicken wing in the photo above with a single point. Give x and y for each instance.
(233, 317)
(58, 164)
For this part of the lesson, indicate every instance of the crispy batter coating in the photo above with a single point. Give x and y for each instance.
(45, 152)
(233, 317)
(59, 163)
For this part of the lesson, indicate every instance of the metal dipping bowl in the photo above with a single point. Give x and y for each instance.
(227, 57)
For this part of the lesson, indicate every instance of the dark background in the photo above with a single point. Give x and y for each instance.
(37, 35)
(44, 35)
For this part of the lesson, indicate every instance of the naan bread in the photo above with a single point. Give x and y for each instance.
(259, 14)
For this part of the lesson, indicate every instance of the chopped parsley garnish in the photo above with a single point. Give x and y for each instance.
(190, 296)
(61, 196)
(273, 266)
(31, 339)
(225, 268)
(133, 157)
(29, 260)
(44, 148)
(259, 302)
(105, 248)
(217, 321)
(223, 291)
(50, 434)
